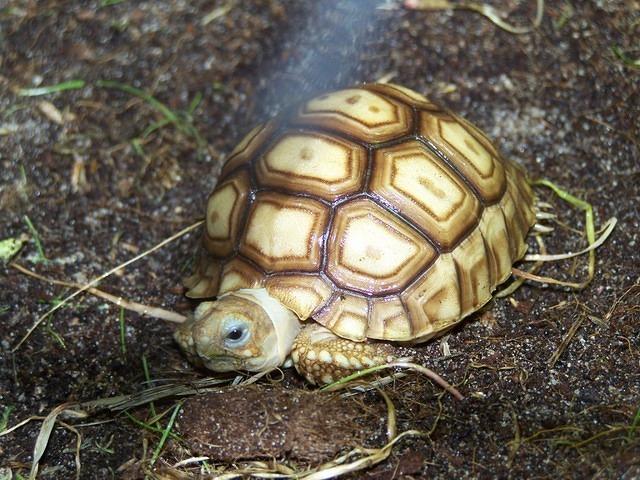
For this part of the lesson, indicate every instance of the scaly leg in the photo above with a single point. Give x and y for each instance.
(322, 357)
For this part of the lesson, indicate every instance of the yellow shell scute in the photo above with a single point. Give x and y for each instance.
(388, 319)
(433, 300)
(219, 210)
(496, 236)
(205, 281)
(301, 293)
(346, 316)
(459, 138)
(472, 265)
(474, 157)
(238, 274)
(403, 94)
(225, 207)
(372, 251)
(284, 232)
(426, 190)
(358, 112)
(245, 151)
(514, 223)
(318, 164)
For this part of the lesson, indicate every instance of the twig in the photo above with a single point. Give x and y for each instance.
(398, 364)
(565, 342)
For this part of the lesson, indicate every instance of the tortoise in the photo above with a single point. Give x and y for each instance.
(361, 217)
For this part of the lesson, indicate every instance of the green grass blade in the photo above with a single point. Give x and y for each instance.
(624, 58)
(147, 377)
(36, 238)
(60, 87)
(123, 345)
(136, 92)
(165, 434)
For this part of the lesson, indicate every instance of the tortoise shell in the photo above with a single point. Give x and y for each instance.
(371, 210)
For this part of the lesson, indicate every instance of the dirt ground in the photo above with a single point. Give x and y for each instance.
(551, 377)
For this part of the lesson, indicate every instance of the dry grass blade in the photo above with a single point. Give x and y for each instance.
(140, 308)
(217, 12)
(542, 228)
(117, 403)
(257, 376)
(43, 439)
(517, 283)
(590, 233)
(514, 445)
(73, 429)
(96, 280)
(43, 436)
(189, 461)
(541, 279)
(487, 11)
(20, 424)
(374, 458)
(608, 228)
(589, 222)
(123, 402)
(373, 384)
(392, 428)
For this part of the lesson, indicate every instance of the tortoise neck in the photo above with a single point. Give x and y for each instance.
(286, 324)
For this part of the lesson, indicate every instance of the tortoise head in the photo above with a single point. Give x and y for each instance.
(243, 330)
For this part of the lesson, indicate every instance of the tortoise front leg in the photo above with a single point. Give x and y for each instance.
(322, 357)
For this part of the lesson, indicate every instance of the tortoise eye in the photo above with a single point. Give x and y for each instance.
(235, 333)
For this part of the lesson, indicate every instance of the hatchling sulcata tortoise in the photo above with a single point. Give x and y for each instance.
(371, 211)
